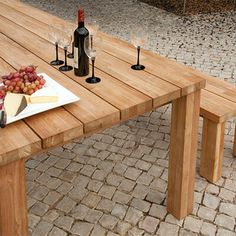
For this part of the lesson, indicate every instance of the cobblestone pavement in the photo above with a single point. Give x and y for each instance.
(115, 182)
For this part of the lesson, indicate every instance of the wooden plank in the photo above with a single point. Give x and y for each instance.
(17, 141)
(159, 66)
(219, 87)
(86, 110)
(127, 99)
(216, 108)
(212, 150)
(181, 173)
(13, 207)
(53, 127)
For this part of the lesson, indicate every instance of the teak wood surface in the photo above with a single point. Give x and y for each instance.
(121, 95)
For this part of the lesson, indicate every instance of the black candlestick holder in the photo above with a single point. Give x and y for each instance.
(138, 66)
(93, 79)
(71, 55)
(65, 67)
(56, 62)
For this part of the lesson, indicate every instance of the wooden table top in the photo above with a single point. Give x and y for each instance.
(121, 95)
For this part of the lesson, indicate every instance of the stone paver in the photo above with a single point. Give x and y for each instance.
(64, 222)
(208, 229)
(123, 228)
(167, 229)
(225, 221)
(228, 209)
(158, 211)
(82, 228)
(206, 213)
(66, 204)
(149, 224)
(192, 224)
(119, 211)
(42, 229)
(57, 232)
(113, 182)
(108, 221)
(133, 215)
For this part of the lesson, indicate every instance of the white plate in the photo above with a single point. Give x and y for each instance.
(64, 97)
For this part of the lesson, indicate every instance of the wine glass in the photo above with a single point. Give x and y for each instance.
(138, 37)
(92, 26)
(53, 36)
(64, 42)
(92, 46)
(70, 30)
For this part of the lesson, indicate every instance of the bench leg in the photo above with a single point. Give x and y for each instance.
(182, 157)
(212, 150)
(234, 148)
(13, 207)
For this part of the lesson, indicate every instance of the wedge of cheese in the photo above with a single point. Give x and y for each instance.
(45, 95)
(14, 103)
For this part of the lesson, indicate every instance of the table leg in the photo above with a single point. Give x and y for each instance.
(13, 207)
(212, 150)
(182, 157)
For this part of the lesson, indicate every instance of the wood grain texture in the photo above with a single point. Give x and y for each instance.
(13, 208)
(17, 141)
(212, 150)
(55, 127)
(128, 100)
(181, 173)
(86, 110)
(219, 87)
(216, 108)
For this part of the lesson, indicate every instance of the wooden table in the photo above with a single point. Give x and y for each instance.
(122, 94)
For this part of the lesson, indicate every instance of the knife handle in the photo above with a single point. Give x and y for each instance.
(3, 119)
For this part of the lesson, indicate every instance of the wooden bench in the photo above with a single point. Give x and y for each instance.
(218, 104)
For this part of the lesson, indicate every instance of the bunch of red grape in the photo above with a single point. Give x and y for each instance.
(25, 80)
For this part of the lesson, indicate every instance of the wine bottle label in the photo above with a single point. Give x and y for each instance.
(76, 58)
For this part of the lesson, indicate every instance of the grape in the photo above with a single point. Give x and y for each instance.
(2, 92)
(25, 80)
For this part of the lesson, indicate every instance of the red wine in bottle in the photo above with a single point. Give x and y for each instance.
(81, 60)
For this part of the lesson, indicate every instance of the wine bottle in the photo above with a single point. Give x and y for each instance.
(81, 60)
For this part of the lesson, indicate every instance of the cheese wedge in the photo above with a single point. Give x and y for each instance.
(45, 95)
(14, 103)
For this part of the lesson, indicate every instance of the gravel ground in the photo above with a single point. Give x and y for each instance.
(193, 6)
(114, 182)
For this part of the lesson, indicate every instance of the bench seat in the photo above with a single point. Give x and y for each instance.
(218, 104)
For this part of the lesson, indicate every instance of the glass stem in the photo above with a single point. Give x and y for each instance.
(56, 44)
(73, 44)
(93, 62)
(65, 51)
(138, 48)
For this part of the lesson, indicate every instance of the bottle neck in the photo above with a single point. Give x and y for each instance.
(81, 17)
(81, 24)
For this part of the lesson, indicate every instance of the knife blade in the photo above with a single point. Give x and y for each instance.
(3, 115)
(22, 106)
